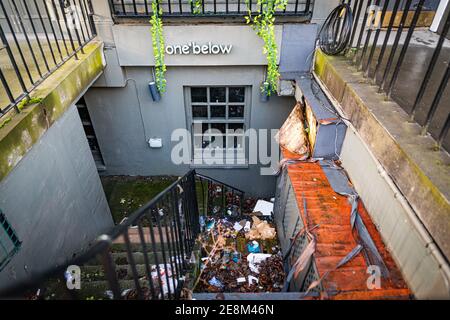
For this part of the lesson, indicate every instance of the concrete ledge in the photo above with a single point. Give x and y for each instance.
(423, 267)
(421, 172)
(57, 92)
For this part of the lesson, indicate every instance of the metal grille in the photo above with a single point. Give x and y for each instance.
(38, 37)
(299, 246)
(167, 229)
(311, 276)
(383, 43)
(208, 8)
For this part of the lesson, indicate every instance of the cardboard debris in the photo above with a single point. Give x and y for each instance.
(260, 230)
(292, 135)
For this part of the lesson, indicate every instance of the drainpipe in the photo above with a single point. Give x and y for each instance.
(139, 105)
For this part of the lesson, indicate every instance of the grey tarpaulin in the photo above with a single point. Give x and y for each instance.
(331, 128)
(340, 184)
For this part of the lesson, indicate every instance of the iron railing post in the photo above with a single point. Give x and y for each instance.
(431, 66)
(405, 47)
(146, 261)
(390, 60)
(109, 267)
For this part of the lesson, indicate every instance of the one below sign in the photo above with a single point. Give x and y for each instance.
(194, 48)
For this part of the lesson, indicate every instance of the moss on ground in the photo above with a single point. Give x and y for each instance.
(126, 194)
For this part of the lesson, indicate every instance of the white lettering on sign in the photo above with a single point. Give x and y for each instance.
(194, 48)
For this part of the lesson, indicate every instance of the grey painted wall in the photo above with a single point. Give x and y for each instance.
(134, 44)
(120, 129)
(54, 200)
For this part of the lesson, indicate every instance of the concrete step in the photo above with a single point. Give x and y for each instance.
(124, 272)
(121, 258)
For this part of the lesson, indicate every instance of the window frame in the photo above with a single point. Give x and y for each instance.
(239, 157)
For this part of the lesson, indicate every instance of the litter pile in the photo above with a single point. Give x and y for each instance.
(241, 254)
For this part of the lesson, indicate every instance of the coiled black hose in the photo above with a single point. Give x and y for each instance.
(334, 36)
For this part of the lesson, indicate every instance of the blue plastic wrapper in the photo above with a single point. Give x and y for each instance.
(236, 256)
(253, 247)
(215, 282)
(210, 224)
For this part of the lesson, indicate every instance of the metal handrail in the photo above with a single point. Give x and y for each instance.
(64, 27)
(366, 39)
(208, 8)
(178, 240)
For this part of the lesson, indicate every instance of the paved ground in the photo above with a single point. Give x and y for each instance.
(412, 72)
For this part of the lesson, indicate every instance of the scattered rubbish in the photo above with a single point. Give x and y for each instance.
(248, 205)
(253, 247)
(202, 221)
(257, 257)
(168, 279)
(109, 294)
(210, 224)
(254, 259)
(215, 282)
(241, 279)
(69, 277)
(240, 255)
(265, 207)
(237, 226)
(260, 230)
(252, 279)
(226, 256)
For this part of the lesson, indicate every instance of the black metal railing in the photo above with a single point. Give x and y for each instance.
(204, 8)
(37, 37)
(163, 232)
(413, 73)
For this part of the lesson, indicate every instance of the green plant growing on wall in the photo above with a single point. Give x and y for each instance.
(263, 22)
(27, 101)
(196, 6)
(5, 122)
(158, 46)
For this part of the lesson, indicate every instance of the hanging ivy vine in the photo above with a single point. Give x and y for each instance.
(263, 23)
(196, 6)
(158, 46)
